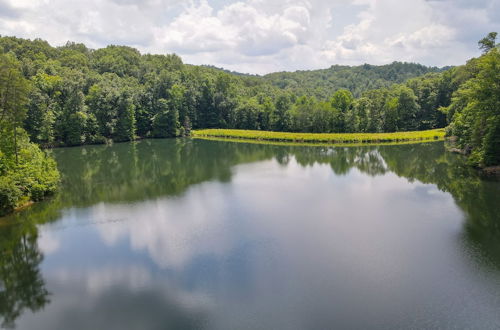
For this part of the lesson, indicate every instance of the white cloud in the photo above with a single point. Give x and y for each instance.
(239, 27)
(392, 30)
(260, 36)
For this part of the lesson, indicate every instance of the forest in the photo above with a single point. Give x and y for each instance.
(73, 95)
(83, 96)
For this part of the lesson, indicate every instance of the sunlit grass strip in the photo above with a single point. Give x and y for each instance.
(327, 138)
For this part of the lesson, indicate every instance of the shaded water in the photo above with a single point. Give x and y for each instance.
(193, 234)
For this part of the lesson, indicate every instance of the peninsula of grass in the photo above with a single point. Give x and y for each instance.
(328, 138)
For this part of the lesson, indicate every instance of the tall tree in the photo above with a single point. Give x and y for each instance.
(342, 100)
(125, 122)
(13, 99)
(165, 121)
(488, 43)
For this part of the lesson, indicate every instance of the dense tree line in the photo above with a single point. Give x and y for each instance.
(83, 96)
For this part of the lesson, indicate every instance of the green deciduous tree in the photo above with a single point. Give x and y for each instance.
(476, 112)
(13, 99)
(26, 172)
(488, 42)
(165, 121)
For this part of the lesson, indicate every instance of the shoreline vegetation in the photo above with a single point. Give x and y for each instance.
(323, 138)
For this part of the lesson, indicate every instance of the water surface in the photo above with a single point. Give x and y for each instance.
(194, 234)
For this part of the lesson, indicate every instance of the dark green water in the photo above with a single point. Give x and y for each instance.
(193, 234)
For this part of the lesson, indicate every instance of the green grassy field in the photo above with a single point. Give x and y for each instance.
(328, 138)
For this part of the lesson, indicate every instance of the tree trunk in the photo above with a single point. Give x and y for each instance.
(15, 136)
(15, 144)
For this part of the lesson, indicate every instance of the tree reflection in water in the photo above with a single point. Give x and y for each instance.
(21, 284)
(134, 172)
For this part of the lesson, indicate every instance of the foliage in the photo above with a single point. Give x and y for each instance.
(33, 177)
(488, 42)
(166, 121)
(476, 112)
(26, 173)
(356, 79)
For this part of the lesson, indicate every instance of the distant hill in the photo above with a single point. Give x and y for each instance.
(357, 79)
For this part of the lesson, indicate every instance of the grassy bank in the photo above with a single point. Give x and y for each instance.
(329, 138)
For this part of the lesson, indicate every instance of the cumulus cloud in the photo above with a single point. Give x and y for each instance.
(261, 36)
(240, 27)
(389, 30)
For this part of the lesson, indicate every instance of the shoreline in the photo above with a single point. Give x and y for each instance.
(323, 138)
(312, 144)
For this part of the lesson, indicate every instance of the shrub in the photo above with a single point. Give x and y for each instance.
(10, 194)
(33, 177)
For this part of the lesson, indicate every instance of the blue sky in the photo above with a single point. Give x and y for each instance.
(261, 36)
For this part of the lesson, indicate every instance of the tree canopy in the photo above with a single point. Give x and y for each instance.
(475, 112)
(26, 172)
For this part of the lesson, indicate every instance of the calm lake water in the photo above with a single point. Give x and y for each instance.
(194, 234)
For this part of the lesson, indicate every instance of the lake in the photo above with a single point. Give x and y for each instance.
(197, 234)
